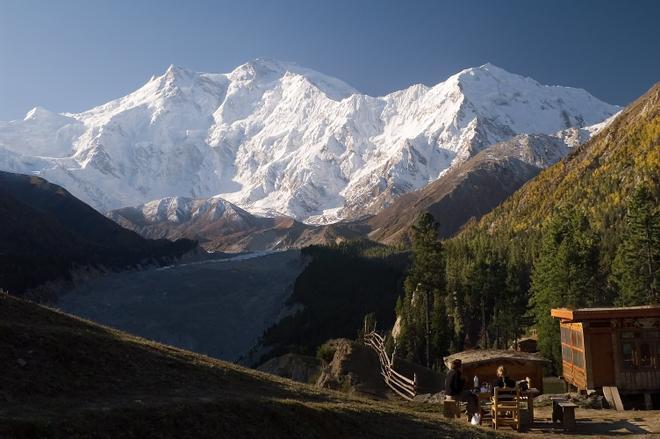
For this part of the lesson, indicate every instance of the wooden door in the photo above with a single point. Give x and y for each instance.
(602, 359)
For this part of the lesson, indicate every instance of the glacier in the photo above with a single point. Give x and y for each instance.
(275, 138)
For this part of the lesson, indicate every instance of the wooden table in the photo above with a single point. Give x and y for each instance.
(564, 411)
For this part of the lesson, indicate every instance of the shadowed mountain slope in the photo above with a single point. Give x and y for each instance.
(45, 232)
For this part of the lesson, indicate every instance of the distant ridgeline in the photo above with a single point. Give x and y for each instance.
(45, 233)
(584, 232)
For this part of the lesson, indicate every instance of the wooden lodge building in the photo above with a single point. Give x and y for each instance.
(604, 347)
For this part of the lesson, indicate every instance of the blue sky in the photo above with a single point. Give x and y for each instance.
(71, 55)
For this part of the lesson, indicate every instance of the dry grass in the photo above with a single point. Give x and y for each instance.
(67, 377)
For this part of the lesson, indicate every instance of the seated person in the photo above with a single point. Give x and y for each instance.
(503, 379)
(455, 388)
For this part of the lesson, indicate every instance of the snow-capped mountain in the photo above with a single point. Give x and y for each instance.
(219, 225)
(216, 223)
(276, 138)
(177, 210)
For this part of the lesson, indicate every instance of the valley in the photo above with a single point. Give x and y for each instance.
(215, 307)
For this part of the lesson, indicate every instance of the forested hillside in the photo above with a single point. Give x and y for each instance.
(596, 179)
(340, 285)
(584, 232)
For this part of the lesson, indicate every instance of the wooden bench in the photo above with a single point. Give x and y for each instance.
(564, 411)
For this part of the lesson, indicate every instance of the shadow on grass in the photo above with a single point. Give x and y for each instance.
(264, 418)
(608, 427)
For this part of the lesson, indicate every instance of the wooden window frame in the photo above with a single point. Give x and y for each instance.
(640, 337)
(569, 335)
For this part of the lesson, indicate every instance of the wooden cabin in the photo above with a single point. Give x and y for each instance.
(484, 362)
(526, 344)
(611, 347)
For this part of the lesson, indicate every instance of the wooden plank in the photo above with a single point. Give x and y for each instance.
(612, 397)
(404, 386)
(402, 378)
(648, 311)
(402, 392)
(617, 398)
(607, 393)
(406, 397)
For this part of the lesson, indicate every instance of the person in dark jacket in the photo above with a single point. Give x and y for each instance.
(455, 388)
(454, 380)
(503, 379)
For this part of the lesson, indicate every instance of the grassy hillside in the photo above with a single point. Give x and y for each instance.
(64, 377)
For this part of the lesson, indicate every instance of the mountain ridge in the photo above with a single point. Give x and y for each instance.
(280, 139)
(215, 223)
(466, 191)
(470, 189)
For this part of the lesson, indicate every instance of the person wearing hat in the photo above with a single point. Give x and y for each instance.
(455, 388)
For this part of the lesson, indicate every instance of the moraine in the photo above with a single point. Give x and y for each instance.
(215, 307)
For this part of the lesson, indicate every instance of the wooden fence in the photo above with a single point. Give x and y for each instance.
(402, 386)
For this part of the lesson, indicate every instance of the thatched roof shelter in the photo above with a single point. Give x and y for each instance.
(484, 362)
(480, 356)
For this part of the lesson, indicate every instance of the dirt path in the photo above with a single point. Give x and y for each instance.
(596, 423)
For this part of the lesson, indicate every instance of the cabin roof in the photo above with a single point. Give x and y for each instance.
(581, 314)
(530, 338)
(478, 356)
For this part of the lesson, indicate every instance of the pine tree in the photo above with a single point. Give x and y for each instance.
(566, 274)
(635, 268)
(513, 314)
(424, 289)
